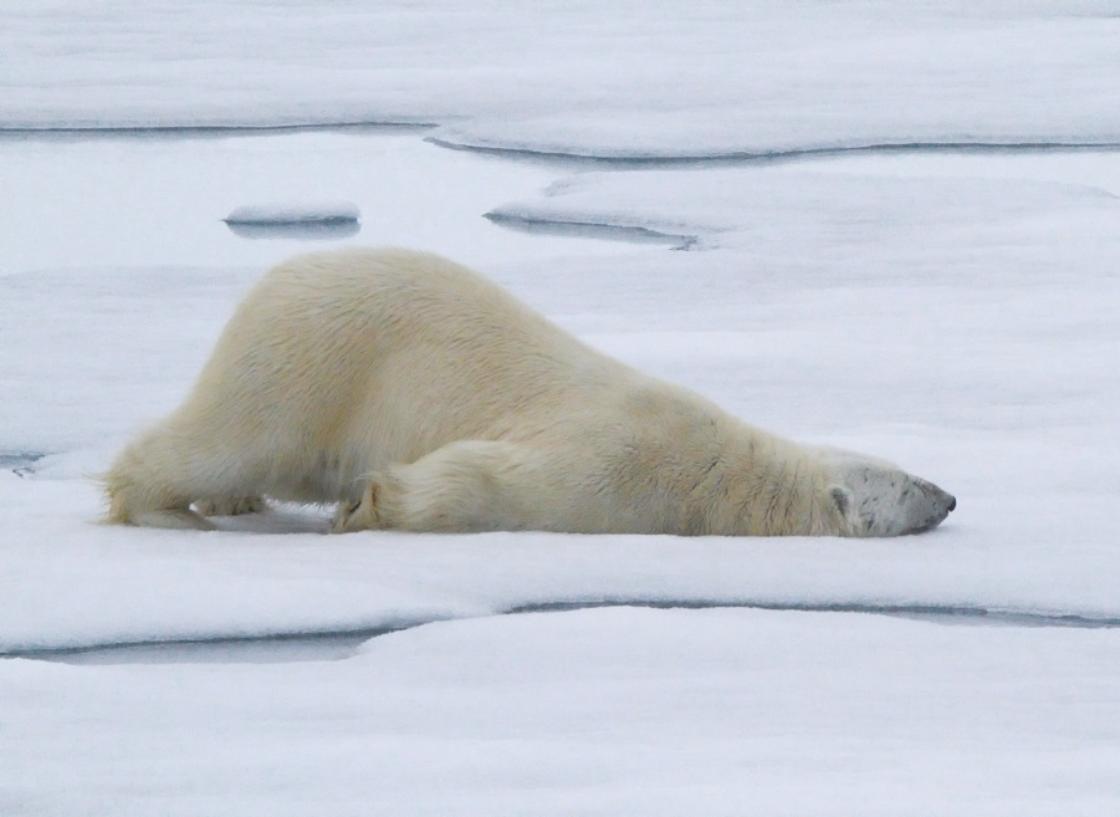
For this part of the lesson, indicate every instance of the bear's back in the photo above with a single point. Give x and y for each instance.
(406, 345)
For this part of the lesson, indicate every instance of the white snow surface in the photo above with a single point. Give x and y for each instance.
(719, 712)
(953, 311)
(762, 210)
(288, 213)
(714, 77)
(281, 574)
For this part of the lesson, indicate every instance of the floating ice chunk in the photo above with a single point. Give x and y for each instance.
(299, 221)
(295, 214)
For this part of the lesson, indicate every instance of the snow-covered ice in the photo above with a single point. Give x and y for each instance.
(962, 326)
(714, 77)
(720, 712)
(280, 574)
(116, 197)
(955, 311)
(758, 208)
(828, 322)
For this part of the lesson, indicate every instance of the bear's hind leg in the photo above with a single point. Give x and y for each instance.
(155, 479)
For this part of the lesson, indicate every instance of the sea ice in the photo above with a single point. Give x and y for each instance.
(715, 77)
(954, 312)
(960, 326)
(595, 712)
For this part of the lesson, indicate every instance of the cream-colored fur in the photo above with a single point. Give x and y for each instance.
(421, 396)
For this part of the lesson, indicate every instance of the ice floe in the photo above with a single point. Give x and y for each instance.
(287, 214)
(588, 79)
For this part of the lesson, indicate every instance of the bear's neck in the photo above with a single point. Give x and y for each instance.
(770, 486)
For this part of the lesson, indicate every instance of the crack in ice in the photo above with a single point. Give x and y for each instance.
(338, 643)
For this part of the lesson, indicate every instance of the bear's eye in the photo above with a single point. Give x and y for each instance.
(352, 508)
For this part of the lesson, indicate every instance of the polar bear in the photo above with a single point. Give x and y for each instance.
(420, 396)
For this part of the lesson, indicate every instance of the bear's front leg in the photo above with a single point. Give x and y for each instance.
(470, 485)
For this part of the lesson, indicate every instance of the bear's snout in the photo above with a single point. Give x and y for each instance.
(937, 503)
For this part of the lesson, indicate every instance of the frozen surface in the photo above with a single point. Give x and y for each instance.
(962, 326)
(144, 205)
(718, 77)
(764, 209)
(280, 573)
(953, 311)
(600, 712)
(310, 213)
(954, 316)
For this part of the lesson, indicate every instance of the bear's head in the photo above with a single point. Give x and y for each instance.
(870, 497)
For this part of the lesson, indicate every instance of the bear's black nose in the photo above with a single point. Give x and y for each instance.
(952, 503)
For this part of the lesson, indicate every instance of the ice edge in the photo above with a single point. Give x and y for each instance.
(667, 159)
(933, 612)
(595, 229)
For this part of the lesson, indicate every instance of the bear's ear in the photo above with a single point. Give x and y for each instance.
(842, 499)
